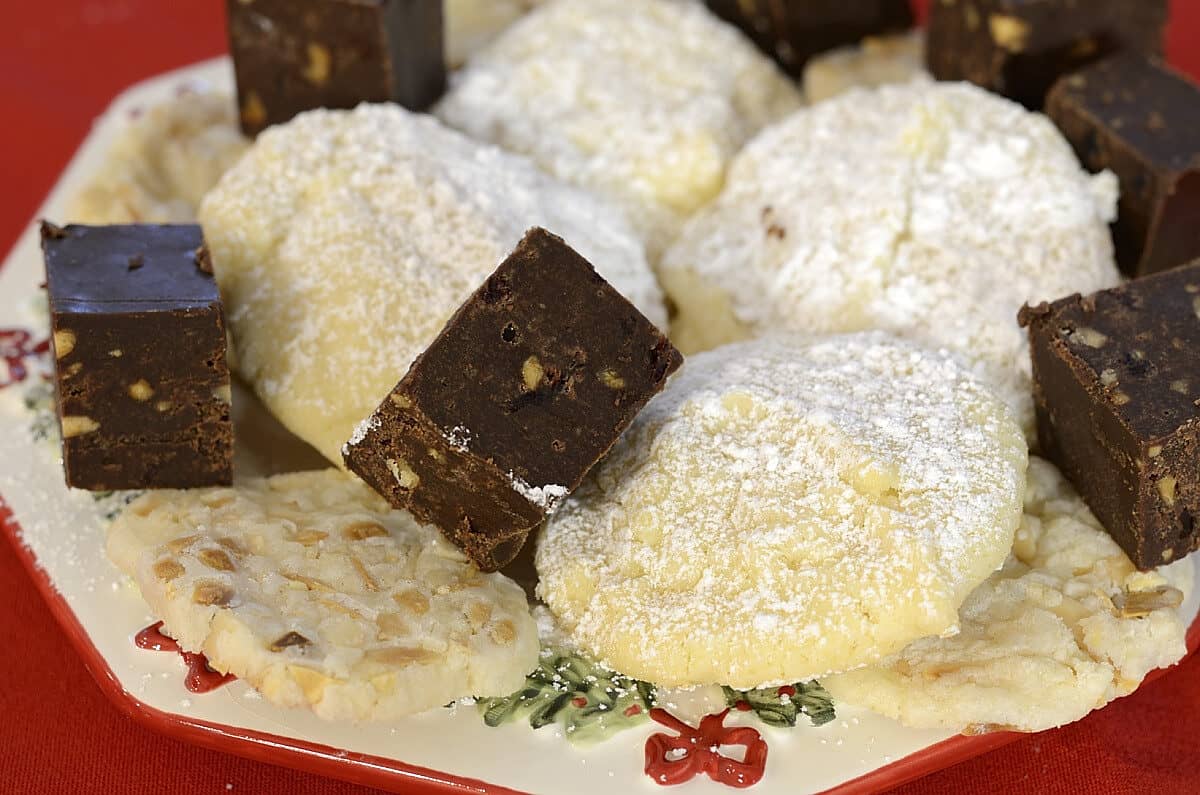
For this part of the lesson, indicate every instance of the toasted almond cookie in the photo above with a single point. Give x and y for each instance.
(1065, 627)
(309, 587)
(787, 508)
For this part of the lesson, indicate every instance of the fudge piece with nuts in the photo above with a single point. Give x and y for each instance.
(1117, 393)
(143, 388)
(528, 385)
(791, 33)
(1134, 116)
(1018, 48)
(295, 55)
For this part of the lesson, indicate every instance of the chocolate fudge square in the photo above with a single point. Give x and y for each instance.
(525, 389)
(793, 32)
(142, 384)
(1117, 394)
(1133, 115)
(290, 56)
(1019, 48)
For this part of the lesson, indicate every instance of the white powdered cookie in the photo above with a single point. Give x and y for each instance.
(930, 210)
(309, 587)
(344, 240)
(642, 101)
(163, 162)
(785, 509)
(1065, 627)
(877, 61)
(471, 24)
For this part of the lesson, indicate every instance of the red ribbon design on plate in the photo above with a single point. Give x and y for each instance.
(674, 760)
(200, 678)
(14, 350)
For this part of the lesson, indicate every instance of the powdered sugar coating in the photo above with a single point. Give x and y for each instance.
(643, 102)
(1044, 641)
(931, 210)
(784, 509)
(344, 240)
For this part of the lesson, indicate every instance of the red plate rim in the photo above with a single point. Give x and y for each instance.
(392, 774)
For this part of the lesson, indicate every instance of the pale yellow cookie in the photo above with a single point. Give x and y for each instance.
(643, 101)
(784, 509)
(344, 240)
(311, 589)
(163, 161)
(471, 24)
(877, 61)
(931, 210)
(1065, 627)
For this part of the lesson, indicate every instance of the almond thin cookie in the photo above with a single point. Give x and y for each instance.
(1065, 627)
(310, 588)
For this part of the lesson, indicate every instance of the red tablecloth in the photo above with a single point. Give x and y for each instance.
(60, 64)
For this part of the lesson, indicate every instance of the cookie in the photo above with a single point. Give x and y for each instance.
(1065, 627)
(626, 99)
(311, 589)
(344, 240)
(787, 508)
(877, 61)
(934, 211)
(163, 161)
(471, 24)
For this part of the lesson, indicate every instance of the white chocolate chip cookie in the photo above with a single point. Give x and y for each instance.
(931, 210)
(310, 588)
(786, 508)
(344, 240)
(1065, 627)
(163, 162)
(641, 101)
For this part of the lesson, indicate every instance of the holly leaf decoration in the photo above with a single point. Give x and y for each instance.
(587, 700)
(781, 706)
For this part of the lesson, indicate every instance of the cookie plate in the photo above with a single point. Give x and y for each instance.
(59, 536)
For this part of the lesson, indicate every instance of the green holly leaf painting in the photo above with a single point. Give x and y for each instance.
(781, 706)
(589, 702)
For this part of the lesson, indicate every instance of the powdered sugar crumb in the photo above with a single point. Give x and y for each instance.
(545, 497)
(459, 438)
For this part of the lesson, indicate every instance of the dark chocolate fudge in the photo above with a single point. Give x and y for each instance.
(143, 388)
(1117, 393)
(1019, 48)
(793, 32)
(525, 389)
(1133, 115)
(295, 55)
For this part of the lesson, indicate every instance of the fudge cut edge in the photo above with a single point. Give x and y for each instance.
(1143, 489)
(478, 419)
(128, 420)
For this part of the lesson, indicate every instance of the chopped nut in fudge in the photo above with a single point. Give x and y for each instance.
(290, 56)
(1018, 48)
(527, 386)
(1117, 395)
(143, 389)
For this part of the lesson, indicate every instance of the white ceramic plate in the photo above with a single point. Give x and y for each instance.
(60, 536)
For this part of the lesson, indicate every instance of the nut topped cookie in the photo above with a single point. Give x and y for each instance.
(786, 508)
(344, 240)
(310, 588)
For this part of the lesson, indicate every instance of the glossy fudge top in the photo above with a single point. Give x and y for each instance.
(1142, 341)
(1152, 108)
(132, 268)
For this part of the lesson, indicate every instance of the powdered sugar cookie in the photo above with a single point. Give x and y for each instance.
(471, 24)
(642, 102)
(931, 210)
(309, 587)
(786, 508)
(1065, 627)
(344, 240)
(877, 61)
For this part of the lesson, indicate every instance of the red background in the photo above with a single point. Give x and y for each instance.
(60, 65)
